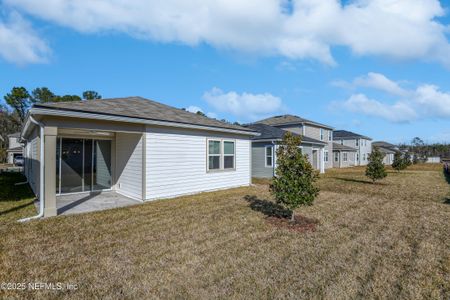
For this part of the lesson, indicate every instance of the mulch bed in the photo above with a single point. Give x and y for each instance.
(301, 223)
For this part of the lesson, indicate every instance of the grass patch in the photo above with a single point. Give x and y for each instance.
(373, 241)
(16, 202)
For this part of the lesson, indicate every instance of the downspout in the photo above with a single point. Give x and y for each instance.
(273, 159)
(41, 175)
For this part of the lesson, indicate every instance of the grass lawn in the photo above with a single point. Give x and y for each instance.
(384, 240)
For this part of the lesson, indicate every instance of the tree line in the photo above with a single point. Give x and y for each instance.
(421, 150)
(19, 100)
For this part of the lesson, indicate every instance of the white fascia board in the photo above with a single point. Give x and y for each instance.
(74, 114)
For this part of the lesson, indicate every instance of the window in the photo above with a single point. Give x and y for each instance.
(336, 156)
(357, 157)
(326, 156)
(221, 155)
(330, 135)
(357, 143)
(364, 157)
(345, 156)
(321, 134)
(269, 156)
(342, 142)
(228, 155)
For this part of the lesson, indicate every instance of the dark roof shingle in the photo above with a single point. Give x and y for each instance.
(343, 134)
(138, 107)
(290, 120)
(273, 133)
(339, 147)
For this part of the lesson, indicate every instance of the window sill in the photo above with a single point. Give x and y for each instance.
(221, 170)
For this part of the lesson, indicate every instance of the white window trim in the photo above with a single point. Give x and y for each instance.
(326, 157)
(330, 135)
(265, 156)
(357, 142)
(345, 156)
(321, 134)
(221, 155)
(336, 157)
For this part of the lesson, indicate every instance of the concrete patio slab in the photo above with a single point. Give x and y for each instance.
(89, 202)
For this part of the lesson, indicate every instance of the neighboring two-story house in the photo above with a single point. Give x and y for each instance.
(361, 143)
(264, 150)
(388, 150)
(320, 157)
(15, 148)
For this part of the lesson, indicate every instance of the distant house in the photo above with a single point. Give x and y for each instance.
(135, 147)
(433, 160)
(361, 143)
(344, 156)
(15, 148)
(264, 148)
(310, 129)
(388, 150)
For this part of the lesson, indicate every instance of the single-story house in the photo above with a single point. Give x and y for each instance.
(264, 148)
(132, 146)
(310, 129)
(344, 156)
(361, 143)
(15, 148)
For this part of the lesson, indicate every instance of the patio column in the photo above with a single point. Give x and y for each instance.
(322, 160)
(50, 134)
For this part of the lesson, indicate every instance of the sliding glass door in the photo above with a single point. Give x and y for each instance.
(83, 165)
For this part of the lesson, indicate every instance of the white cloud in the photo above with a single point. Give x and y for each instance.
(212, 115)
(380, 82)
(19, 44)
(425, 101)
(398, 112)
(194, 109)
(406, 29)
(246, 105)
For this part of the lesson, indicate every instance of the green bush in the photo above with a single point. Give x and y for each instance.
(294, 181)
(399, 162)
(375, 168)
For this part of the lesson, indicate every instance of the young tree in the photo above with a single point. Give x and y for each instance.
(294, 182)
(375, 168)
(91, 95)
(19, 99)
(399, 163)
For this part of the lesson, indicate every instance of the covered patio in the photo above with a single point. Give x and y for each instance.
(88, 202)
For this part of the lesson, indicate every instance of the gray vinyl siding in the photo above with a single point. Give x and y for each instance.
(314, 132)
(259, 169)
(364, 148)
(32, 157)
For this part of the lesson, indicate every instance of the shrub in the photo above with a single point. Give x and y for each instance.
(294, 181)
(399, 162)
(375, 168)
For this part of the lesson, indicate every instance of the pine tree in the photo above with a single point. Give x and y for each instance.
(375, 168)
(399, 162)
(407, 159)
(294, 183)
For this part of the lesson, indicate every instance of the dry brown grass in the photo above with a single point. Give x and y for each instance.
(388, 240)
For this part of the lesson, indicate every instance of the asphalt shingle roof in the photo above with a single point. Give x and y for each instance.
(339, 147)
(290, 120)
(344, 134)
(274, 133)
(385, 150)
(138, 107)
(384, 144)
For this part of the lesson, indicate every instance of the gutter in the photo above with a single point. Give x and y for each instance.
(41, 174)
(104, 117)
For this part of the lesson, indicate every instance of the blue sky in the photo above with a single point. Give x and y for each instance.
(387, 78)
